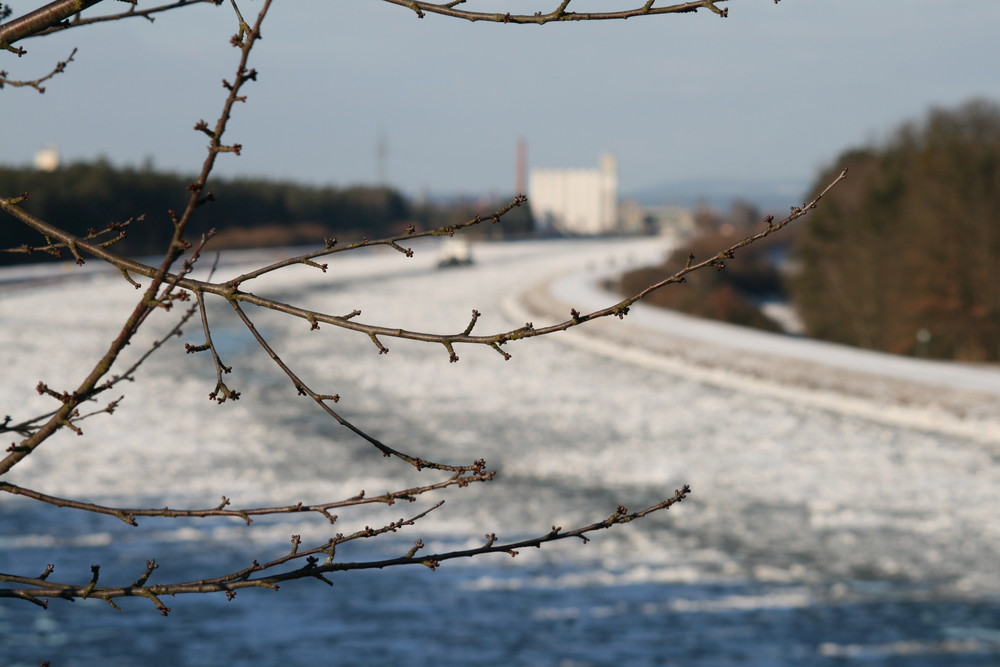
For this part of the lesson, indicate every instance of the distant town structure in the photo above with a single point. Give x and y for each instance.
(576, 201)
(670, 221)
(47, 159)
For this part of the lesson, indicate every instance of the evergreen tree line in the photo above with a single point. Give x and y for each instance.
(904, 255)
(84, 196)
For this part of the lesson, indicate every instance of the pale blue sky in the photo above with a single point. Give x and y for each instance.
(772, 92)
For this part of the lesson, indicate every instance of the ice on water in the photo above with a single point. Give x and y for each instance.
(825, 525)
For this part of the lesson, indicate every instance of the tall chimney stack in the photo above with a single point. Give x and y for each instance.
(521, 170)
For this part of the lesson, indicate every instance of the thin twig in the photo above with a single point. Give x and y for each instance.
(421, 8)
(313, 568)
(230, 291)
(37, 83)
(462, 478)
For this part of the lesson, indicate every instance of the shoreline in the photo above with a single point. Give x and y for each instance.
(941, 397)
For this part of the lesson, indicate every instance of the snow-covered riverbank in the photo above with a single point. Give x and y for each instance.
(944, 397)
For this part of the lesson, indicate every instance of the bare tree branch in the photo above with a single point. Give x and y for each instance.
(39, 587)
(37, 83)
(55, 17)
(231, 292)
(160, 276)
(477, 473)
(34, 22)
(560, 13)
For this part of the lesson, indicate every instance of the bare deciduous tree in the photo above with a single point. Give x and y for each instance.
(170, 286)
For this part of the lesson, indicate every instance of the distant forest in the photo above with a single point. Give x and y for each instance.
(902, 257)
(905, 255)
(246, 212)
(732, 294)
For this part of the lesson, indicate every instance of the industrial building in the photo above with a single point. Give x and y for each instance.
(576, 201)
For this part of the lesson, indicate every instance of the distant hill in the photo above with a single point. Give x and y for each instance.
(767, 195)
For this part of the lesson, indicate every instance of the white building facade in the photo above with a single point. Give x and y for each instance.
(576, 201)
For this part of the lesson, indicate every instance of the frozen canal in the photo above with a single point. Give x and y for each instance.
(844, 507)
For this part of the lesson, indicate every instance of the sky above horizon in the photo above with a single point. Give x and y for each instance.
(772, 93)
